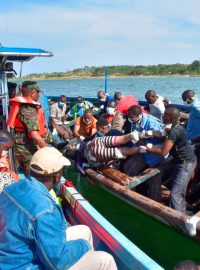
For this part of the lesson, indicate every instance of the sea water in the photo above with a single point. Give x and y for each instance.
(169, 87)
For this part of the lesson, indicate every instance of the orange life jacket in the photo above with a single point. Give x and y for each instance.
(15, 122)
(13, 174)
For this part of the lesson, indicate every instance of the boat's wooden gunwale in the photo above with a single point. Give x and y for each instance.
(150, 207)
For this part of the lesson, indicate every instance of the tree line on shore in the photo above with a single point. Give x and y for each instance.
(192, 69)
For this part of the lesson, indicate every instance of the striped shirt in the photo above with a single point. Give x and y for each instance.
(103, 149)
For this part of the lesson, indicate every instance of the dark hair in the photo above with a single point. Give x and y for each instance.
(79, 99)
(101, 92)
(28, 83)
(173, 112)
(149, 92)
(102, 122)
(62, 96)
(187, 94)
(112, 104)
(135, 109)
(88, 111)
(117, 95)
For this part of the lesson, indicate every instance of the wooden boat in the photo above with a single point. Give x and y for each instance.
(165, 232)
(77, 209)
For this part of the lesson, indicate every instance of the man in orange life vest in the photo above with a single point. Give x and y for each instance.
(26, 118)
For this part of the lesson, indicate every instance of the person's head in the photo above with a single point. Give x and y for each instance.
(12, 89)
(171, 115)
(102, 127)
(188, 97)
(80, 101)
(135, 114)
(46, 166)
(150, 96)
(101, 96)
(186, 265)
(62, 101)
(87, 116)
(6, 140)
(111, 107)
(31, 89)
(117, 96)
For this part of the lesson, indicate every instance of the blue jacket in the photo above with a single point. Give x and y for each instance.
(33, 230)
(193, 127)
(149, 122)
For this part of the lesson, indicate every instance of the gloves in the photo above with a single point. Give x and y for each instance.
(149, 145)
(135, 136)
(143, 149)
(146, 134)
(118, 154)
(81, 138)
(54, 132)
(163, 133)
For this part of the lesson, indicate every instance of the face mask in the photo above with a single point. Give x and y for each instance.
(189, 104)
(87, 122)
(110, 110)
(100, 133)
(130, 120)
(102, 99)
(80, 104)
(136, 120)
(61, 104)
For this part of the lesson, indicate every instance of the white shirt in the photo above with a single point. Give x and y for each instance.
(57, 113)
(157, 108)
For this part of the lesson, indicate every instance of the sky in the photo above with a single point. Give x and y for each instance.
(102, 32)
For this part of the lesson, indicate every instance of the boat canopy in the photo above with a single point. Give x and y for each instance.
(22, 54)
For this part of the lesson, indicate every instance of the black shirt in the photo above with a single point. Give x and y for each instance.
(182, 151)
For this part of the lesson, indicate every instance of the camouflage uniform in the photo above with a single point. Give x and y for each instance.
(26, 147)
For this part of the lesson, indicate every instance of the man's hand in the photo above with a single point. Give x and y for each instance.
(146, 134)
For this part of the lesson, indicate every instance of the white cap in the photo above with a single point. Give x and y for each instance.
(48, 160)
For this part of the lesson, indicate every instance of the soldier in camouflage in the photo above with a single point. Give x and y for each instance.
(29, 139)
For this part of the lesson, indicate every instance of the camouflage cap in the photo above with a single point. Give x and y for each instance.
(31, 85)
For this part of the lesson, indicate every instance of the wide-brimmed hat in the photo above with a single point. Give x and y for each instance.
(48, 160)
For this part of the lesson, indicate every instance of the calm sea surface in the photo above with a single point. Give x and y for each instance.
(169, 87)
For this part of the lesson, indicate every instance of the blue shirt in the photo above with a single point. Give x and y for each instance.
(149, 122)
(33, 230)
(193, 126)
(77, 111)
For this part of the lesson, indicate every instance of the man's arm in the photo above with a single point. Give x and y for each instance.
(28, 116)
(77, 127)
(161, 151)
(37, 138)
(50, 236)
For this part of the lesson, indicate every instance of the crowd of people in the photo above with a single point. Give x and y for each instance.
(132, 137)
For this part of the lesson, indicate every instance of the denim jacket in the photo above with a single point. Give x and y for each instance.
(33, 230)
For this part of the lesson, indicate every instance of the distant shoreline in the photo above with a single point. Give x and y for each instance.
(102, 77)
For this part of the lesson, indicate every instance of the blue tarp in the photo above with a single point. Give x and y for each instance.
(22, 54)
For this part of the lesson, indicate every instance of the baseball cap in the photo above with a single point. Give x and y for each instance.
(48, 160)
